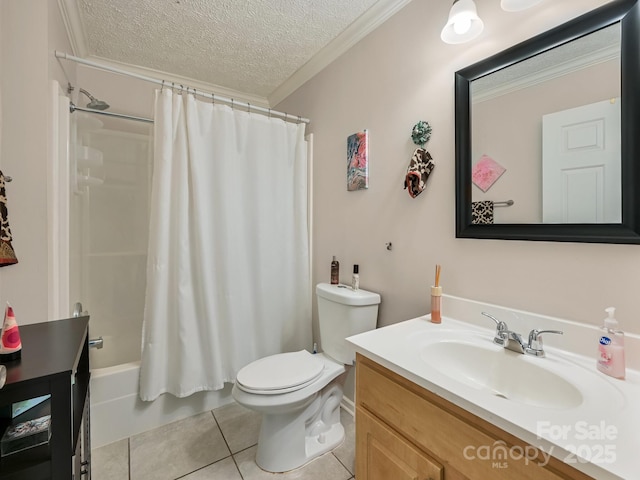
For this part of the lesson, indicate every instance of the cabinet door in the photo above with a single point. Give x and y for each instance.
(381, 454)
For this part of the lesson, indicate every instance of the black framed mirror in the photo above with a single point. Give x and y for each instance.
(619, 20)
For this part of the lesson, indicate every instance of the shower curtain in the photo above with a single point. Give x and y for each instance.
(228, 263)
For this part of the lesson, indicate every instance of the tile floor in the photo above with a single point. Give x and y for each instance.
(216, 445)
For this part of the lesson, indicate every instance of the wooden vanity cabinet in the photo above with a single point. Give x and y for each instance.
(387, 455)
(404, 431)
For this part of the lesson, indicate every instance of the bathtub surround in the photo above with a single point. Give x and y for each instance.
(228, 216)
(108, 229)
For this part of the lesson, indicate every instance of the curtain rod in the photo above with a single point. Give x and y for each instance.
(73, 108)
(252, 108)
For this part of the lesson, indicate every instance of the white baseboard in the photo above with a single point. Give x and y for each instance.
(348, 406)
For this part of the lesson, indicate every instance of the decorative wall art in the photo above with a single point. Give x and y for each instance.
(358, 161)
(421, 133)
(421, 164)
(418, 171)
(486, 172)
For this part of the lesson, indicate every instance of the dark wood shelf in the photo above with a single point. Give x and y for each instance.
(33, 463)
(55, 361)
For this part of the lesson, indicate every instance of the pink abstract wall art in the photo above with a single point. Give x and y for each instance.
(358, 161)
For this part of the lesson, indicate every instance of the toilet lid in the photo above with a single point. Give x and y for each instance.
(281, 373)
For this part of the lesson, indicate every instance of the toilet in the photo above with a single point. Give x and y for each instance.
(299, 393)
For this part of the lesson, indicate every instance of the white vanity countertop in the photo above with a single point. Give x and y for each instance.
(600, 437)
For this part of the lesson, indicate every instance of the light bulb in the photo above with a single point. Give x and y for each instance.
(462, 26)
(463, 23)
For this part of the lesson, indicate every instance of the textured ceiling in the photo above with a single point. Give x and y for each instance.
(250, 46)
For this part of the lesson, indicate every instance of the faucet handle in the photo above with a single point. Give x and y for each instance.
(535, 346)
(501, 329)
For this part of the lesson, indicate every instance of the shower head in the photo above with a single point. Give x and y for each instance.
(94, 103)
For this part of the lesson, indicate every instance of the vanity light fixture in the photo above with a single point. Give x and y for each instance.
(464, 24)
(517, 5)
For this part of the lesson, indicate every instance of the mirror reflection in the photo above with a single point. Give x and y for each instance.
(546, 138)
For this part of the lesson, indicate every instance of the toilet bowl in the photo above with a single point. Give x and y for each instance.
(297, 424)
(299, 393)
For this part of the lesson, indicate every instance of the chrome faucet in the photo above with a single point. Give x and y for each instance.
(535, 342)
(501, 329)
(513, 341)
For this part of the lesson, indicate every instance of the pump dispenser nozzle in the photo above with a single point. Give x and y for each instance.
(610, 321)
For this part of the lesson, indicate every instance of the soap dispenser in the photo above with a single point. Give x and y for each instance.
(611, 347)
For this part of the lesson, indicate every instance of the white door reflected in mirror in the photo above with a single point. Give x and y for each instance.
(581, 164)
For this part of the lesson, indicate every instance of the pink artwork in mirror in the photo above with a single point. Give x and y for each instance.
(486, 172)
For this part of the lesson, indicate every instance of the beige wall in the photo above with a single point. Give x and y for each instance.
(31, 30)
(402, 73)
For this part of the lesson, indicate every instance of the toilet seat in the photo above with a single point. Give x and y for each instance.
(281, 373)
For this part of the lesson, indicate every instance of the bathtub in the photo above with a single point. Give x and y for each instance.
(117, 411)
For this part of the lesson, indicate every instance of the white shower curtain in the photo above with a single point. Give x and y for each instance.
(228, 262)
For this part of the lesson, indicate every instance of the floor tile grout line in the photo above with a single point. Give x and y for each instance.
(197, 469)
(221, 433)
(237, 467)
(341, 463)
(227, 444)
(201, 468)
(220, 459)
(244, 449)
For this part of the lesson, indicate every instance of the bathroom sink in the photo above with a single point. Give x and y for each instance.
(553, 402)
(480, 364)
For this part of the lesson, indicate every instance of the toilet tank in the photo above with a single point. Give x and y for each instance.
(343, 312)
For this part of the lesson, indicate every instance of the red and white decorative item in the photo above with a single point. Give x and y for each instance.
(10, 343)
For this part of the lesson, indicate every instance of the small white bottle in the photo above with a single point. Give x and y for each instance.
(355, 279)
(611, 347)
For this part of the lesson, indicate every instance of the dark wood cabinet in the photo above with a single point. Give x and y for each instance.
(55, 361)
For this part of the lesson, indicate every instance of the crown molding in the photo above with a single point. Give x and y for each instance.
(74, 26)
(179, 80)
(546, 74)
(360, 28)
